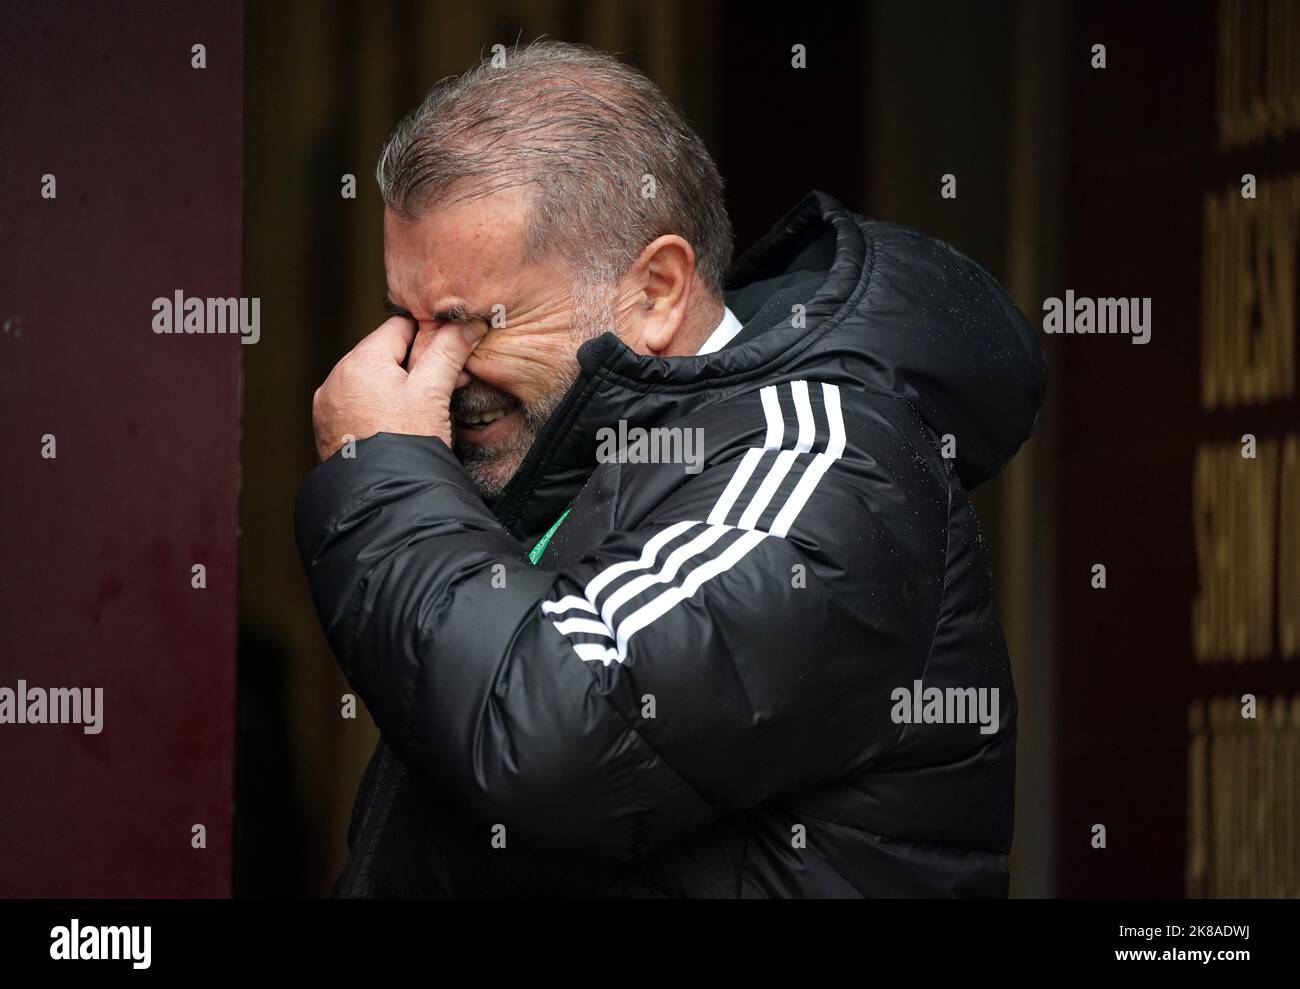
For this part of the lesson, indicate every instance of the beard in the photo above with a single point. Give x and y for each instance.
(491, 467)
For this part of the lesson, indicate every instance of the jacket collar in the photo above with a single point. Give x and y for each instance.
(615, 382)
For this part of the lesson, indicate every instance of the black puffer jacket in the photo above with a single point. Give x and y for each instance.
(694, 690)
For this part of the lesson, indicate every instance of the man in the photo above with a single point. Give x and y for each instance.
(599, 673)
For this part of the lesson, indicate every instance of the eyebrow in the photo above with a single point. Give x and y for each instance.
(459, 313)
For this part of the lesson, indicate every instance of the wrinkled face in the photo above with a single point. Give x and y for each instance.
(465, 261)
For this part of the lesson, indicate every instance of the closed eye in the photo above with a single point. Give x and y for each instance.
(461, 314)
(393, 309)
(456, 314)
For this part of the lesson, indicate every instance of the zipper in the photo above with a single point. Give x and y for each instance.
(536, 552)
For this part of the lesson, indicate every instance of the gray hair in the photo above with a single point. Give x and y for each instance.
(590, 134)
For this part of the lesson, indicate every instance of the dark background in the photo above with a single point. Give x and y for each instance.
(97, 544)
(1068, 177)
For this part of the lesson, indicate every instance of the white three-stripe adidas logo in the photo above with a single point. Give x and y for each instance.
(610, 591)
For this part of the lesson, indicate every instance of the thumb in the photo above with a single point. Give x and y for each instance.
(440, 366)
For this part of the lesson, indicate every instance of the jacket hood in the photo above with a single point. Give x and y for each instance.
(826, 295)
(898, 311)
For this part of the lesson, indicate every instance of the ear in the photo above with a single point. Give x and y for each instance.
(658, 288)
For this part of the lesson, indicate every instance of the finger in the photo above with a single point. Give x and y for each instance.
(440, 365)
(392, 339)
(423, 338)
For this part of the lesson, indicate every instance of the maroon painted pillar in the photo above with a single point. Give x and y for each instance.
(98, 543)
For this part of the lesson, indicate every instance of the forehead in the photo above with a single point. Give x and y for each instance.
(469, 249)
